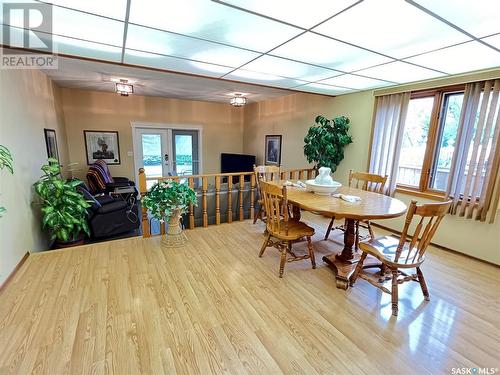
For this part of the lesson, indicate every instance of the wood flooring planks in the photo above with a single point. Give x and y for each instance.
(214, 307)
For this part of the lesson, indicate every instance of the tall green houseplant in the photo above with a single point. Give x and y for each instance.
(5, 163)
(325, 142)
(64, 209)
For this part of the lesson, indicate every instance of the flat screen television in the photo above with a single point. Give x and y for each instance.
(232, 163)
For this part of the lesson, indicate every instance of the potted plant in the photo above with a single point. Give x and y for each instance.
(325, 142)
(64, 209)
(170, 199)
(5, 162)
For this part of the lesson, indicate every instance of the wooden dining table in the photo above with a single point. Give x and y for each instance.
(371, 206)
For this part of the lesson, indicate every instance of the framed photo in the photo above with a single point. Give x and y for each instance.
(102, 145)
(51, 143)
(273, 150)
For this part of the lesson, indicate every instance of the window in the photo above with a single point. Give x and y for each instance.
(429, 136)
(447, 134)
(414, 143)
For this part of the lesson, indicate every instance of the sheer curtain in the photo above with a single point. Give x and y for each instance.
(390, 116)
(473, 180)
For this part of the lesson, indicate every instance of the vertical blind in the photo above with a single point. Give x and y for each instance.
(473, 181)
(388, 127)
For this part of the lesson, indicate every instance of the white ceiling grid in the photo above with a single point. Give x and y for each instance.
(321, 46)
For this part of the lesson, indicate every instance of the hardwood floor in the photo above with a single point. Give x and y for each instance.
(133, 307)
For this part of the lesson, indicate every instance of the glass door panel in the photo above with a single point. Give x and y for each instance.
(151, 151)
(152, 154)
(185, 152)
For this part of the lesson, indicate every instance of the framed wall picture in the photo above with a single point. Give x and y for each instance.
(102, 145)
(51, 143)
(273, 150)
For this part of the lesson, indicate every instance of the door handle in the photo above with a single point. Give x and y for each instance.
(166, 158)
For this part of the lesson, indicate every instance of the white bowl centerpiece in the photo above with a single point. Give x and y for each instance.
(323, 184)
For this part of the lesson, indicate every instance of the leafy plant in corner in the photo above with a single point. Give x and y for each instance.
(5, 162)
(325, 142)
(168, 197)
(64, 209)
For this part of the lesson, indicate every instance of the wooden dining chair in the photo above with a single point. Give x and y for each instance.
(367, 182)
(281, 231)
(407, 252)
(264, 173)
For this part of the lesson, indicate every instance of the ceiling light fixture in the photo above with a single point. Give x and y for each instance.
(238, 100)
(123, 88)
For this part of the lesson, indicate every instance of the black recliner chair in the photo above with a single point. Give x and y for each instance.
(109, 216)
(100, 181)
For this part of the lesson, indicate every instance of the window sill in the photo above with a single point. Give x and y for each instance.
(421, 194)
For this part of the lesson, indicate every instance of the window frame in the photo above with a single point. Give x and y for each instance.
(424, 189)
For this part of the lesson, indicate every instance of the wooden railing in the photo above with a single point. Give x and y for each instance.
(202, 182)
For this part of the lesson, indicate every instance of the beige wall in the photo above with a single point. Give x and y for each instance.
(294, 114)
(29, 102)
(86, 110)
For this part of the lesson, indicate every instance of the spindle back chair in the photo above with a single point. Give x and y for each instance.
(407, 252)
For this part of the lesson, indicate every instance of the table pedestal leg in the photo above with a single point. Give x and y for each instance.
(344, 262)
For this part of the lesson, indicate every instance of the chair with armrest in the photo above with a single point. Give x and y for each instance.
(109, 216)
(100, 179)
(367, 182)
(281, 231)
(406, 253)
(264, 173)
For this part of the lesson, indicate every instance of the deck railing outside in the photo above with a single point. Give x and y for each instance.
(243, 184)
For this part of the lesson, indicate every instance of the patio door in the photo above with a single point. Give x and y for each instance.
(151, 151)
(166, 151)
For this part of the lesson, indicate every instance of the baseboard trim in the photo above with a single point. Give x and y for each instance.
(14, 271)
(438, 246)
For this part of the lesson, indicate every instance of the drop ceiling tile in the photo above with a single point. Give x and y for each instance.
(480, 18)
(80, 25)
(493, 40)
(113, 9)
(320, 50)
(63, 45)
(161, 42)
(242, 75)
(14, 37)
(458, 59)
(400, 72)
(74, 24)
(75, 47)
(392, 27)
(319, 88)
(175, 64)
(355, 82)
(300, 13)
(291, 69)
(212, 21)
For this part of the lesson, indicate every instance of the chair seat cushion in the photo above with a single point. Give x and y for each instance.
(384, 249)
(112, 207)
(296, 230)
